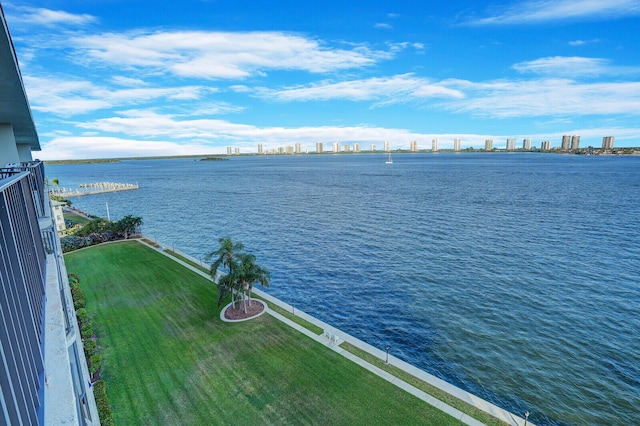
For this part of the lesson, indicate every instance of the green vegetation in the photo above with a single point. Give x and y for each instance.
(306, 324)
(169, 359)
(93, 161)
(424, 386)
(100, 230)
(76, 219)
(104, 408)
(184, 259)
(242, 272)
(60, 199)
(91, 352)
(214, 159)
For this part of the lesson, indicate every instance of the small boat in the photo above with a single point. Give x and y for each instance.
(389, 160)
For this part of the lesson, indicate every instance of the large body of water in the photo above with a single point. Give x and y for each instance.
(513, 276)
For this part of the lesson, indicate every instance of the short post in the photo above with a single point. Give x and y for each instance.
(294, 310)
(526, 417)
(387, 348)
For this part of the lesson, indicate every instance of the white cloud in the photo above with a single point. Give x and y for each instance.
(47, 17)
(583, 42)
(399, 88)
(65, 97)
(546, 97)
(382, 26)
(573, 66)
(128, 81)
(220, 55)
(76, 147)
(538, 11)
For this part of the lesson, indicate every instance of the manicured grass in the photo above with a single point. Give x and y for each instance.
(425, 387)
(169, 359)
(76, 219)
(306, 324)
(187, 261)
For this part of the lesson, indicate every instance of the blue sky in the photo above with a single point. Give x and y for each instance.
(117, 78)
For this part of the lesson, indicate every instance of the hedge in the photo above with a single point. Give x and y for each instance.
(102, 401)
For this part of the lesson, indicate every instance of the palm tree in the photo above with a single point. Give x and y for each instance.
(242, 272)
(227, 284)
(224, 256)
(128, 225)
(249, 273)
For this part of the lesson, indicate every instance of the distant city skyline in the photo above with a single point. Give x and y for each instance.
(121, 78)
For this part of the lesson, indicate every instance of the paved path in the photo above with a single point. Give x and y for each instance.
(332, 337)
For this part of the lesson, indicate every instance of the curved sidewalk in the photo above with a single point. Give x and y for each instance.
(332, 337)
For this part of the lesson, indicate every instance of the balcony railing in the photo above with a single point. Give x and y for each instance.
(22, 289)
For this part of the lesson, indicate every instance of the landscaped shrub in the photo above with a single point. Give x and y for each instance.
(83, 316)
(87, 331)
(102, 401)
(90, 347)
(78, 297)
(72, 242)
(95, 362)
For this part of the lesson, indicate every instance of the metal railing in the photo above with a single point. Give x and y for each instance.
(22, 288)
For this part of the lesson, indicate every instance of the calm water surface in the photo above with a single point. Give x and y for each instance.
(513, 276)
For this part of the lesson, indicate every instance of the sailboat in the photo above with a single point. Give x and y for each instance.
(389, 160)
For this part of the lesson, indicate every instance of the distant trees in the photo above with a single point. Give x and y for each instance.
(242, 272)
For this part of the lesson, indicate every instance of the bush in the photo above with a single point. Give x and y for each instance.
(95, 362)
(87, 331)
(79, 301)
(102, 401)
(90, 347)
(83, 316)
(72, 242)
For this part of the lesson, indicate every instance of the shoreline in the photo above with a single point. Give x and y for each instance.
(332, 337)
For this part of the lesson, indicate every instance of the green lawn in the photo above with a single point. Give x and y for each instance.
(76, 219)
(169, 359)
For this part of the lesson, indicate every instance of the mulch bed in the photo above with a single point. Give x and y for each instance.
(237, 314)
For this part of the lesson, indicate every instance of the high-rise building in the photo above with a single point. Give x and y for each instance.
(607, 142)
(319, 147)
(347, 148)
(260, 149)
(545, 146)
(372, 148)
(434, 145)
(387, 146)
(336, 147)
(236, 151)
(511, 144)
(566, 143)
(575, 142)
(488, 144)
(356, 147)
(414, 146)
(526, 144)
(298, 148)
(43, 371)
(456, 144)
(229, 150)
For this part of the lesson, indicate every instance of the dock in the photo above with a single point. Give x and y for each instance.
(92, 188)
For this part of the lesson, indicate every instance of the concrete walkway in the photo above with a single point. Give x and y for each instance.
(332, 337)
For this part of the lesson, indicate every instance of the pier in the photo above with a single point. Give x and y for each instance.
(92, 188)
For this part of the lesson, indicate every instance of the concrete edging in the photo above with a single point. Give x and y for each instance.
(264, 310)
